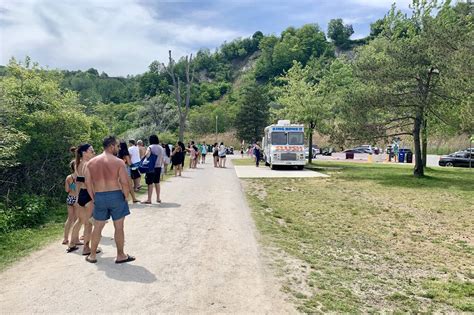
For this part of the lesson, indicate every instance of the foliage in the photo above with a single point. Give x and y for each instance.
(302, 44)
(411, 74)
(253, 114)
(48, 121)
(340, 33)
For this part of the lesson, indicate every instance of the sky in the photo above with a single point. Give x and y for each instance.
(122, 37)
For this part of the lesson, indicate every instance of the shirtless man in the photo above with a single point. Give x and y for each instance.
(107, 184)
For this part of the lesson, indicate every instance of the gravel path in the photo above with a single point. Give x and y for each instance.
(196, 253)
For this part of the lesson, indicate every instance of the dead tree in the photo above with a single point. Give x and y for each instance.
(183, 109)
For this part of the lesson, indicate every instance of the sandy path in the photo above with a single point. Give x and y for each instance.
(196, 253)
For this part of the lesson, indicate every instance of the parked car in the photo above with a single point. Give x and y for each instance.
(327, 151)
(360, 149)
(457, 159)
(316, 151)
(229, 150)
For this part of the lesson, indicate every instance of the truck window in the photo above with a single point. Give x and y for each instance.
(295, 138)
(278, 138)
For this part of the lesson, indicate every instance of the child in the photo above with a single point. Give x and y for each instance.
(70, 187)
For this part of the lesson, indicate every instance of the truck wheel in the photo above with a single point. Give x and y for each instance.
(300, 167)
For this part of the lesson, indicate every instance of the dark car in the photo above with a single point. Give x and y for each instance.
(361, 149)
(457, 159)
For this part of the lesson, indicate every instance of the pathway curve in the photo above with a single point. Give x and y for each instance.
(196, 253)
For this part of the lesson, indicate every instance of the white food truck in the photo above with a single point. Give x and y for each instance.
(283, 144)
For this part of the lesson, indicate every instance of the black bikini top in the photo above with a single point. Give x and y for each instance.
(81, 179)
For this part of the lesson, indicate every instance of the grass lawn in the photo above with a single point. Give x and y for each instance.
(19, 243)
(371, 237)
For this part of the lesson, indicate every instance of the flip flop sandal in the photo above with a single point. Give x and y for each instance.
(159, 201)
(146, 202)
(97, 252)
(136, 201)
(92, 261)
(79, 244)
(71, 249)
(65, 242)
(129, 258)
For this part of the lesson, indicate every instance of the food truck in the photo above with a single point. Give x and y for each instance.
(283, 144)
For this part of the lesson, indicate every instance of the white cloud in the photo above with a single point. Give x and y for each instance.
(401, 4)
(118, 37)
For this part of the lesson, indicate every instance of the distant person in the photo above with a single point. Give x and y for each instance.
(108, 184)
(222, 155)
(141, 149)
(135, 158)
(395, 151)
(84, 153)
(72, 215)
(166, 159)
(153, 178)
(256, 152)
(215, 154)
(177, 159)
(192, 155)
(124, 155)
(183, 150)
(203, 152)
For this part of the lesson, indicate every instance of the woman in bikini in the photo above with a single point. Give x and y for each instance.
(124, 155)
(84, 153)
(70, 187)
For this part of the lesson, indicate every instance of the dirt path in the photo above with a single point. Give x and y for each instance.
(197, 252)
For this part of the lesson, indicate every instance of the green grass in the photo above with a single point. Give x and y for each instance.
(373, 236)
(246, 161)
(19, 243)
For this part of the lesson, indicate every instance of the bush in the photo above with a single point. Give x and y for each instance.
(30, 211)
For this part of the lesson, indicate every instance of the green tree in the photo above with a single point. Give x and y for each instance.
(418, 68)
(253, 115)
(340, 33)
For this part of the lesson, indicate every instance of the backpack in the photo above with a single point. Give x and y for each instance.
(147, 164)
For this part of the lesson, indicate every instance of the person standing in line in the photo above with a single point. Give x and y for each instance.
(222, 155)
(108, 184)
(166, 159)
(124, 155)
(256, 152)
(203, 152)
(215, 154)
(192, 155)
(84, 153)
(141, 149)
(183, 150)
(153, 178)
(177, 159)
(71, 189)
(135, 159)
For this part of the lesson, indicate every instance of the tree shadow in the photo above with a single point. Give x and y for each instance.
(126, 272)
(401, 176)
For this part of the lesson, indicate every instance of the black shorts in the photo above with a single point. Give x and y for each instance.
(153, 177)
(134, 174)
(83, 197)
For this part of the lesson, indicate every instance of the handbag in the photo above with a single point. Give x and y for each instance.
(147, 164)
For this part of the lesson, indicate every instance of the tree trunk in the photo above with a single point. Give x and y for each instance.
(182, 122)
(310, 142)
(424, 142)
(418, 170)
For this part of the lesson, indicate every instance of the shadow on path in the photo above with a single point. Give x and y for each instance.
(127, 272)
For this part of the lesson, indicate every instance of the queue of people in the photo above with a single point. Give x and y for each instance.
(100, 186)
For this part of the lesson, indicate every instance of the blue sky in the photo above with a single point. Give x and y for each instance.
(123, 37)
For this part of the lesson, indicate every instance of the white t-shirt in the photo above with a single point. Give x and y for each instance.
(134, 154)
(157, 150)
(222, 150)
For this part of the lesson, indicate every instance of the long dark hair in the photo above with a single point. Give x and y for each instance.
(80, 152)
(123, 151)
(167, 149)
